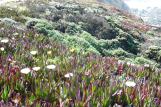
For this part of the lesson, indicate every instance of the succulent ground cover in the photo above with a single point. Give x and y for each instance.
(43, 65)
(37, 71)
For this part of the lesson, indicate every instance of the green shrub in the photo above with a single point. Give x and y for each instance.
(56, 35)
(8, 21)
(127, 42)
(78, 42)
(100, 45)
(68, 27)
(116, 53)
(92, 40)
(153, 52)
(73, 29)
(142, 60)
(38, 24)
(98, 27)
(109, 44)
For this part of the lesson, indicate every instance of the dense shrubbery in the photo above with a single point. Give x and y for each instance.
(128, 43)
(68, 27)
(142, 60)
(117, 53)
(154, 52)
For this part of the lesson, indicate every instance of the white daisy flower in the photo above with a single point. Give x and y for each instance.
(147, 65)
(68, 75)
(25, 70)
(2, 48)
(5, 40)
(33, 52)
(130, 83)
(120, 62)
(132, 64)
(36, 68)
(13, 38)
(128, 63)
(51, 67)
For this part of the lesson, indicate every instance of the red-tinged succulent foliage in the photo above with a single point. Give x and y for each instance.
(37, 70)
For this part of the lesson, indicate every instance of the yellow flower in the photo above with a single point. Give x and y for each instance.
(72, 50)
(49, 52)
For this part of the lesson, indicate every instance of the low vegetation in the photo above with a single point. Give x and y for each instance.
(55, 55)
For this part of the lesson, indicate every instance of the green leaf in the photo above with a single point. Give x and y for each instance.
(5, 93)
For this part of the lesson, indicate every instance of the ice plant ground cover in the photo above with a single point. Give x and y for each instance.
(47, 61)
(58, 77)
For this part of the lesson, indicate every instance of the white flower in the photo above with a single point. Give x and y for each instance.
(15, 34)
(116, 105)
(2, 48)
(33, 52)
(147, 65)
(5, 40)
(68, 75)
(120, 62)
(132, 64)
(16, 101)
(36, 68)
(25, 70)
(130, 83)
(13, 38)
(128, 63)
(51, 67)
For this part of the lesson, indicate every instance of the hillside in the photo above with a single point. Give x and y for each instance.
(77, 54)
(113, 32)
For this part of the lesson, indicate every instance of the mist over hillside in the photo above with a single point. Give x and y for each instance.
(118, 3)
(150, 15)
(148, 10)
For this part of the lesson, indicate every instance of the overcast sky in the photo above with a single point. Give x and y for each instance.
(142, 4)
